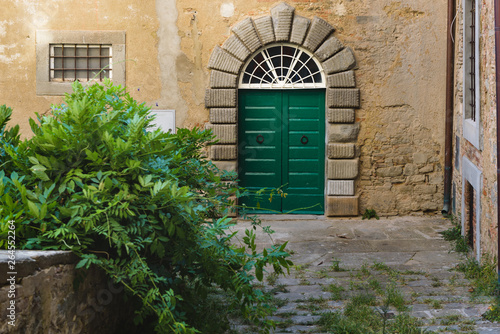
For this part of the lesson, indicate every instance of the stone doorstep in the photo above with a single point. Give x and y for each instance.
(27, 262)
(342, 206)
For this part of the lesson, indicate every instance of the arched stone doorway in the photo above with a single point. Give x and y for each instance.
(227, 63)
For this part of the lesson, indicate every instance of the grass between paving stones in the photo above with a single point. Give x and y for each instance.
(371, 306)
(482, 275)
(373, 301)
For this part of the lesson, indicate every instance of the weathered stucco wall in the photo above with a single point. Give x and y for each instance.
(20, 20)
(400, 50)
(399, 46)
(485, 158)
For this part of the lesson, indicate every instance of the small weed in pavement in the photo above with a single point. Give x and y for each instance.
(336, 291)
(313, 304)
(412, 272)
(451, 319)
(380, 266)
(454, 235)
(279, 288)
(271, 278)
(395, 298)
(375, 285)
(336, 266)
(436, 282)
(286, 315)
(304, 281)
(323, 273)
(370, 213)
(284, 324)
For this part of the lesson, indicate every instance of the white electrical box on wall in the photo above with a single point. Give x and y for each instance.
(164, 120)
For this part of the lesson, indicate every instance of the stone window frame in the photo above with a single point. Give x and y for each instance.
(342, 95)
(44, 38)
(471, 118)
(473, 175)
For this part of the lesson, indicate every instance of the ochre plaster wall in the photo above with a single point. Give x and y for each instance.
(485, 158)
(20, 20)
(399, 46)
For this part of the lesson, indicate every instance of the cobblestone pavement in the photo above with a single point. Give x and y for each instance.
(336, 259)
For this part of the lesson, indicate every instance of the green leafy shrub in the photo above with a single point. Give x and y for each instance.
(143, 205)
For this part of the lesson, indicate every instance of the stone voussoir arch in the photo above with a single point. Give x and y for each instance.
(342, 97)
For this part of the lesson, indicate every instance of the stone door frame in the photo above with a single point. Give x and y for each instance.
(342, 96)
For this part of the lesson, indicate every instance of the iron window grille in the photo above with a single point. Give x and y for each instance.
(282, 66)
(472, 60)
(83, 62)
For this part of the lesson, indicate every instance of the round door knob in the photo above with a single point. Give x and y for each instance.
(260, 139)
(304, 140)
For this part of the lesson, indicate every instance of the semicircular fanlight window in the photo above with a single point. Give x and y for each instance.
(282, 66)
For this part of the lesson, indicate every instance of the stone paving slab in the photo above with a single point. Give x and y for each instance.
(347, 255)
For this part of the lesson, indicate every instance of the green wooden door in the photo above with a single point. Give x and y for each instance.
(282, 144)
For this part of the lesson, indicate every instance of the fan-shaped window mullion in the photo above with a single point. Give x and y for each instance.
(282, 66)
(295, 59)
(269, 63)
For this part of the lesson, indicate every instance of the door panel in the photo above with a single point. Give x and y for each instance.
(282, 143)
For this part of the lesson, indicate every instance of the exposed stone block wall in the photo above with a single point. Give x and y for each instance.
(485, 157)
(46, 300)
(342, 96)
(400, 71)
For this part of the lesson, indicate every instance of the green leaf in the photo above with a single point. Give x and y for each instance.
(259, 274)
(39, 171)
(82, 263)
(33, 209)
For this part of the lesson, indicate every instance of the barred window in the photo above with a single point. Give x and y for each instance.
(83, 62)
(471, 61)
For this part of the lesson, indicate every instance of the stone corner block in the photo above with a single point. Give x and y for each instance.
(265, 29)
(340, 188)
(235, 47)
(343, 133)
(319, 31)
(223, 61)
(282, 15)
(223, 115)
(220, 79)
(343, 97)
(220, 98)
(343, 169)
(341, 151)
(341, 80)
(342, 206)
(342, 61)
(245, 30)
(225, 133)
(299, 29)
(329, 47)
(335, 115)
(228, 166)
(223, 152)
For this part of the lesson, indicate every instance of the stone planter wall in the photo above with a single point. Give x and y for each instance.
(46, 300)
